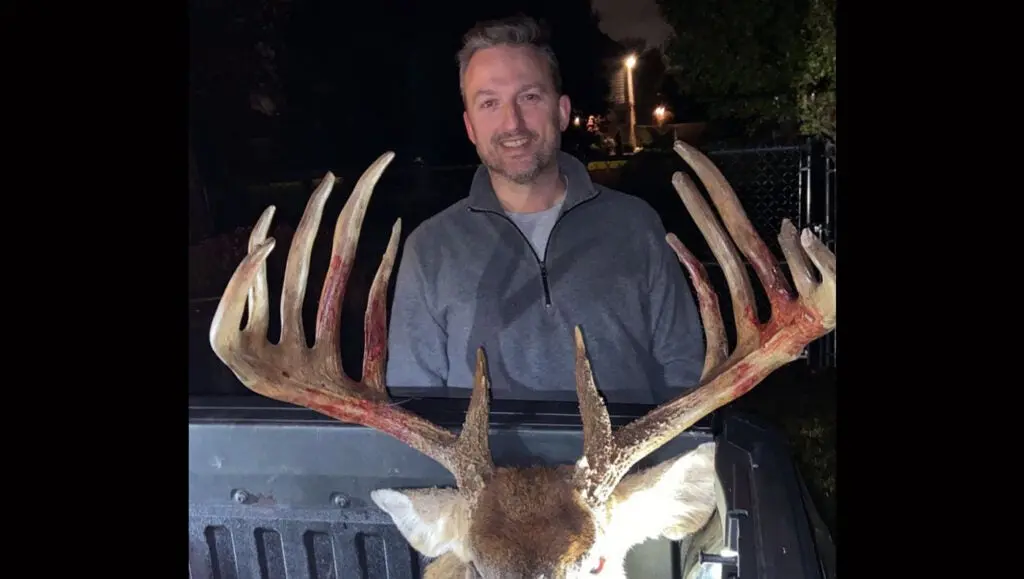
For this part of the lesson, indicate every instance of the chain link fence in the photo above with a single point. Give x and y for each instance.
(829, 346)
(788, 182)
(771, 185)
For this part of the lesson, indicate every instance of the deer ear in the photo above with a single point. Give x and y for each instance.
(673, 499)
(433, 521)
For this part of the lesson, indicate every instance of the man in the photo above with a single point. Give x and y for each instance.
(536, 249)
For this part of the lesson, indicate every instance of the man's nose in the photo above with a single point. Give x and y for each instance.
(512, 118)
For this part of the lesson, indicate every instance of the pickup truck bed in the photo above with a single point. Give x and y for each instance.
(282, 492)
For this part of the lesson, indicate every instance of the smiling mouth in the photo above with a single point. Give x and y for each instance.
(516, 143)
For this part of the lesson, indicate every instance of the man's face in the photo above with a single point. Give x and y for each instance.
(513, 115)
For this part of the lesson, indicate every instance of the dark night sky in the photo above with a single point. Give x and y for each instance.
(622, 19)
(390, 83)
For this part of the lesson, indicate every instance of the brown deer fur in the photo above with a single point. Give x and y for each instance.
(532, 522)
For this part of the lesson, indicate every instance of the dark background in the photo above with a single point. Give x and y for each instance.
(349, 85)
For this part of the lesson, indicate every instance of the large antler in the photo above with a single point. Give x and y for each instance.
(313, 377)
(761, 348)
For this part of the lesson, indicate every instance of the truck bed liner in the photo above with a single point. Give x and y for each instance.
(278, 492)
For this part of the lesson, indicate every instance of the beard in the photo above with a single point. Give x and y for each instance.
(520, 171)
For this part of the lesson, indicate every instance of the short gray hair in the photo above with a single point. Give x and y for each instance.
(515, 31)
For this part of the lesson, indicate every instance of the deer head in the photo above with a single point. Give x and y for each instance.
(555, 522)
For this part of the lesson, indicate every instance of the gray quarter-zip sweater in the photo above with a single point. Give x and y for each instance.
(470, 277)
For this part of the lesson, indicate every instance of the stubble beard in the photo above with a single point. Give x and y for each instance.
(540, 160)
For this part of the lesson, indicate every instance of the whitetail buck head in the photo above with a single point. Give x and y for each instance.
(554, 522)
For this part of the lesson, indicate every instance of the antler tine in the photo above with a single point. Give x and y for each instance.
(760, 349)
(598, 445)
(742, 294)
(313, 377)
(742, 231)
(375, 342)
(472, 455)
(717, 344)
(343, 252)
(296, 272)
(259, 304)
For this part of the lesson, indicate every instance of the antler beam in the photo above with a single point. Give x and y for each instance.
(761, 348)
(313, 377)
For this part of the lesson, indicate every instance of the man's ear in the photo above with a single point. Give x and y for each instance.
(564, 111)
(469, 127)
(433, 521)
(673, 499)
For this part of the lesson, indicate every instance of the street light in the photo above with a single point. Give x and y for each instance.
(630, 65)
